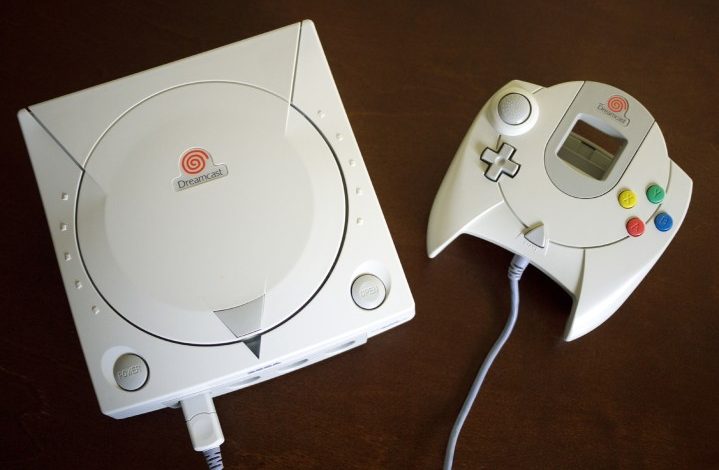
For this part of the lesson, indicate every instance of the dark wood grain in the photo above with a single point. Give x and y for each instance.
(640, 392)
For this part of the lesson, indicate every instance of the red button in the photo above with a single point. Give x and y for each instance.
(635, 226)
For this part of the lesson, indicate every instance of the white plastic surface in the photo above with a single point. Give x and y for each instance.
(290, 77)
(262, 231)
(266, 62)
(203, 423)
(587, 249)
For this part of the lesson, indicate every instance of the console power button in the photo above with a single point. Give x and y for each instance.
(130, 372)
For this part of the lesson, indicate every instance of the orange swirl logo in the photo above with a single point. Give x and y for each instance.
(617, 104)
(197, 167)
(194, 161)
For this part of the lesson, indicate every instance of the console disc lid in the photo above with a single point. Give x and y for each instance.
(210, 212)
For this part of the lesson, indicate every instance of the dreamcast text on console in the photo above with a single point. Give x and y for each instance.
(576, 178)
(214, 222)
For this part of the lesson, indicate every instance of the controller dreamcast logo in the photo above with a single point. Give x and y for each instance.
(617, 104)
(197, 167)
(616, 107)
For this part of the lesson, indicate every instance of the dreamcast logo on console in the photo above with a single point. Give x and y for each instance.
(616, 107)
(193, 161)
(197, 167)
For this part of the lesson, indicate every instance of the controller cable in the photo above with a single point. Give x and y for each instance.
(516, 268)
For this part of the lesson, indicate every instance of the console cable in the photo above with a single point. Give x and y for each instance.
(204, 427)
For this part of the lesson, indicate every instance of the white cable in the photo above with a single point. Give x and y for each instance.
(204, 427)
(516, 268)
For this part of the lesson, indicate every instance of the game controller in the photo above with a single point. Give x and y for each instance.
(576, 178)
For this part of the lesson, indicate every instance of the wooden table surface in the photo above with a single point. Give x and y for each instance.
(639, 392)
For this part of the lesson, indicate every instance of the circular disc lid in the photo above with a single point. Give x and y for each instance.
(210, 212)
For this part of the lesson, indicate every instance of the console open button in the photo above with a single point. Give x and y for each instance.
(368, 291)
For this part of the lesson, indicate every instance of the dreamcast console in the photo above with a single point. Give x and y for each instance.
(576, 178)
(214, 222)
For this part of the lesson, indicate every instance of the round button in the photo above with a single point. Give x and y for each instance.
(655, 194)
(130, 371)
(514, 108)
(635, 227)
(627, 199)
(663, 221)
(368, 291)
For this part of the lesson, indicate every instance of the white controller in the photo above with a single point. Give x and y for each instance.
(575, 177)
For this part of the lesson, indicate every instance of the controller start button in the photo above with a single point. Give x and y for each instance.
(130, 372)
(368, 291)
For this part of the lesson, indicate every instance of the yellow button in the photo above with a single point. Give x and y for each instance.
(627, 199)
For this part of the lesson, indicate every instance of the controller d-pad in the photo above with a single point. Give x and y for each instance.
(500, 163)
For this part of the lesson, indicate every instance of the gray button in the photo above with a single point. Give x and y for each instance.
(536, 236)
(499, 162)
(514, 109)
(130, 372)
(368, 291)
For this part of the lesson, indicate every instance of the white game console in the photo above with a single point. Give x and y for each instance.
(214, 223)
(576, 178)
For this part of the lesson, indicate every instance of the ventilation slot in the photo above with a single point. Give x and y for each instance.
(338, 349)
(293, 365)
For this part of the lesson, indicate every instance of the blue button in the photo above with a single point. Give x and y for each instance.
(663, 221)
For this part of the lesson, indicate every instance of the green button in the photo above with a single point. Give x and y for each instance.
(655, 194)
